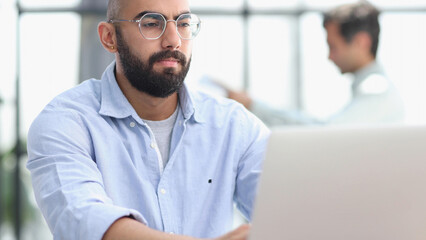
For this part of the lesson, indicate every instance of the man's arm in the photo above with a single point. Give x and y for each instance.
(68, 185)
(127, 228)
(255, 136)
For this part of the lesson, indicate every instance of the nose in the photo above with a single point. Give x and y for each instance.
(170, 38)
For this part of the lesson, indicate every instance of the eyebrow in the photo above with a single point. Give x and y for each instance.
(145, 12)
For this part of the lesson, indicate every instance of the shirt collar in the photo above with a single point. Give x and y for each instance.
(113, 101)
(190, 107)
(115, 104)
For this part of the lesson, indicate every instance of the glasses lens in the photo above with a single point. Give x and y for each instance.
(152, 25)
(188, 25)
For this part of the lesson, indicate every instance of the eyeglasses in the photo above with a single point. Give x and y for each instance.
(153, 25)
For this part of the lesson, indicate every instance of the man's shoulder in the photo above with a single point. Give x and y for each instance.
(205, 97)
(67, 109)
(85, 94)
(216, 105)
(375, 84)
(221, 110)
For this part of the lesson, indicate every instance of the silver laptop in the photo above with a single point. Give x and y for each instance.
(332, 183)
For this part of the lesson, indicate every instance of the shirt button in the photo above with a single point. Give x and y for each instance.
(163, 191)
(153, 145)
(132, 124)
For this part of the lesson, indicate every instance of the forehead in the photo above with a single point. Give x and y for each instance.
(169, 8)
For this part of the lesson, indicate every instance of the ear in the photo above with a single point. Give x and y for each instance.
(363, 41)
(107, 36)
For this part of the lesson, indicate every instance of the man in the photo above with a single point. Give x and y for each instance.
(137, 155)
(353, 38)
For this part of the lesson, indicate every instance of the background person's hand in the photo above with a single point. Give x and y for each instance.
(241, 97)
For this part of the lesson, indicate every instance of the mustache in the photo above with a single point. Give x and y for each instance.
(167, 54)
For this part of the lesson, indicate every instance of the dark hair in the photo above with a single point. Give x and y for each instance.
(354, 18)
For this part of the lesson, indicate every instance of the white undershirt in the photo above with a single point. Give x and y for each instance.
(162, 131)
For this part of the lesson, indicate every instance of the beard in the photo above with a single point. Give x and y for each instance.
(142, 76)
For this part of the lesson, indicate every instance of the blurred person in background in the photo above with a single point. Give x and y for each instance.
(138, 155)
(353, 38)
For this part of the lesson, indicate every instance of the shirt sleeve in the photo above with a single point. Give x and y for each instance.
(278, 117)
(255, 134)
(67, 184)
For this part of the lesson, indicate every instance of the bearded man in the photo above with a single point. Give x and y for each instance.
(137, 154)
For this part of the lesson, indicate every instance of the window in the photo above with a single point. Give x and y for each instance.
(49, 3)
(49, 59)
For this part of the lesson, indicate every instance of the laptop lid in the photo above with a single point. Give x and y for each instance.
(343, 183)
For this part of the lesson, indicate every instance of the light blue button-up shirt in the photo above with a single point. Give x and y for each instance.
(93, 160)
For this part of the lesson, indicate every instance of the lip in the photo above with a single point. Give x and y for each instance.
(169, 62)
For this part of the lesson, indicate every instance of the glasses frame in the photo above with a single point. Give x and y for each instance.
(165, 25)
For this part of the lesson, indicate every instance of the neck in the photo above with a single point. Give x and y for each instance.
(365, 61)
(146, 106)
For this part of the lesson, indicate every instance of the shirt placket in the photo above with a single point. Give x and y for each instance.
(165, 187)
